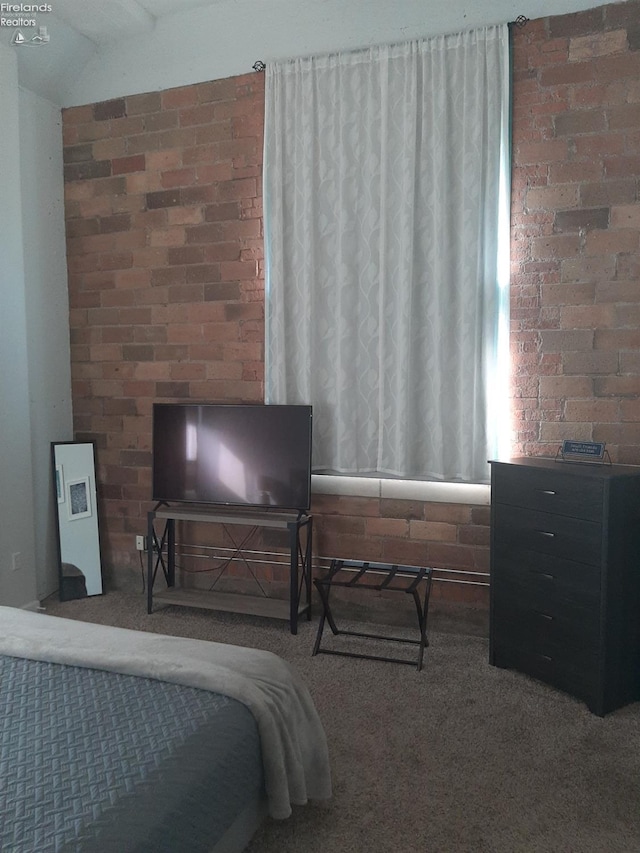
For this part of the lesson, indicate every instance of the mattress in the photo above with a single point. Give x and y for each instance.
(92, 760)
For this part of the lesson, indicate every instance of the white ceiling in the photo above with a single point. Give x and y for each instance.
(102, 49)
(104, 21)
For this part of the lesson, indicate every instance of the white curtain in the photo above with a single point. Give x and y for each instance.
(385, 190)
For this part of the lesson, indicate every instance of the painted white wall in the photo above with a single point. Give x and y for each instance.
(47, 313)
(17, 588)
(51, 69)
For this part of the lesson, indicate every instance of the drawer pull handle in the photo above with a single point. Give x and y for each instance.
(544, 575)
(546, 658)
(546, 491)
(546, 616)
(546, 533)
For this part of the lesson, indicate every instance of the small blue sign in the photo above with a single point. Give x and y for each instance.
(583, 449)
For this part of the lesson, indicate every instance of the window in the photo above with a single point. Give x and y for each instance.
(386, 219)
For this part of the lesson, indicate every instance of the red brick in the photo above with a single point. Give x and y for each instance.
(629, 410)
(589, 268)
(183, 137)
(579, 122)
(126, 126)
(165, 120)
(214, 172)
(178, 178)
(121, 165)
(597, 44)
(625, 66)
(608, 145)
(109, 109)
(77, 115)
(186, 293)
(215, 252)
(214, 132)
(185, 215)
(625, 292)
(567, 74)
(617, 339)
(589, 363)
(566, 293)
(218, 90)
(555, 246)
(235, 190)
(201, 114)
(139, 104)
(626, 216)
(387, 527)
(576, 24)
(548, 151)
(183, 96)
(617, 386)
(597, 95)
(584, 219)
(116, 260)
(173, 236)
(132, 278)
(237, 270)
(592, 411)
(588, 316)
(575, 172)
(166, 198)
(607, 193)
(198, 194)
(203, 273)
(611, 242)
(561, 196)
(469, 534)
(624, 117)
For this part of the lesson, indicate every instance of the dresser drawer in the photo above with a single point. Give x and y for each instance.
(548, 491)
(517, 529)
(545, 576)
(576, 674)
(548, 626)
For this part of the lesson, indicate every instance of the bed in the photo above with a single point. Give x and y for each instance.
(119, 740)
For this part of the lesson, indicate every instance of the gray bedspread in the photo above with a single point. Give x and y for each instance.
(93, 761)
(295, 758)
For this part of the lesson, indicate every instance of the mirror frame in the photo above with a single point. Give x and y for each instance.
(77, 528)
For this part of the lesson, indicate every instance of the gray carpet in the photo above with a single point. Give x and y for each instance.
(461, 758)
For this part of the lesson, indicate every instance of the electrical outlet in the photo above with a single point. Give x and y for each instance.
(141, 543)
(16, 561)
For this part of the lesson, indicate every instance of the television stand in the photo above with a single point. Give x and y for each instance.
(161, 554)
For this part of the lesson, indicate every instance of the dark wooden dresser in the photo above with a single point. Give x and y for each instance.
(565, 577)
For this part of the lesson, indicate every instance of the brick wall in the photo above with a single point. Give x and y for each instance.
(576, 232)
(166, 281)
(164, 243)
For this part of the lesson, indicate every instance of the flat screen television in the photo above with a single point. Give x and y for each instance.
(232, 455)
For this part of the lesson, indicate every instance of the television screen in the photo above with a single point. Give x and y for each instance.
(236, 455)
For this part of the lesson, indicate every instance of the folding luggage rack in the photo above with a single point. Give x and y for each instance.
(359, 574)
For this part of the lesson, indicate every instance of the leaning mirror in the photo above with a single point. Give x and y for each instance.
(74, 480)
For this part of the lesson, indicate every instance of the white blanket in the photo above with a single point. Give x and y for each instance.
(294, 747)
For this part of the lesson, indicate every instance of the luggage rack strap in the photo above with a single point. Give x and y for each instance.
(363, 571)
